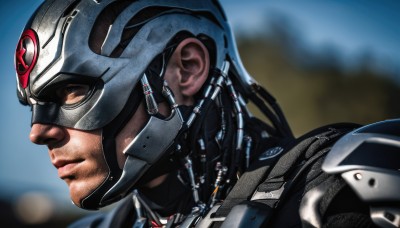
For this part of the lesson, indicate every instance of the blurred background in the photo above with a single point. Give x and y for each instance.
(324, 61)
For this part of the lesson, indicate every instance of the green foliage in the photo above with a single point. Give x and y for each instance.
(319, 94)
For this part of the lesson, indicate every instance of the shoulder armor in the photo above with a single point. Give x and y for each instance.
(368, 159)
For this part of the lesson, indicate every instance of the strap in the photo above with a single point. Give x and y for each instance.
(293, 165)
(245, 187)
(307, 146)
(286, 172)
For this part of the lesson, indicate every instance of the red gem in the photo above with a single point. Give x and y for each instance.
(26, 56)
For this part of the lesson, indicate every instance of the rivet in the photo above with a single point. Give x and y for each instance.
(358, 176)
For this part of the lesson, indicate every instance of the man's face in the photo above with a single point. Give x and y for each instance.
(77, 155)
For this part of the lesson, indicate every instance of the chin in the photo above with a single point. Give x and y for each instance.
(76, 202)
(79, 190)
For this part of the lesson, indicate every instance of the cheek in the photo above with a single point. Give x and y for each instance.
(89, 146)
(95, 151)
(92, 171)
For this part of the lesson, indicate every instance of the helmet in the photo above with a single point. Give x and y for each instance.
(368, 159)
(114, 54)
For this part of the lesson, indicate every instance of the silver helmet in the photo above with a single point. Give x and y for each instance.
(72, 41)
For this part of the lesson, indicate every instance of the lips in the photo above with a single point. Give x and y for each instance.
(66, 168)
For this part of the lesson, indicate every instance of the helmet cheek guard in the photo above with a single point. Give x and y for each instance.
(368, 159)
(143, 152)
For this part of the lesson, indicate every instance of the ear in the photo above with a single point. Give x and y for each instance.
(188, 69)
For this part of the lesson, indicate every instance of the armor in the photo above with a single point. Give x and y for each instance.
(368, 159)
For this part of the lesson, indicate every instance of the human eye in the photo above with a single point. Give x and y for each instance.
(72, 93)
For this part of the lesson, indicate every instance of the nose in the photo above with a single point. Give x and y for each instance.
(44, 134)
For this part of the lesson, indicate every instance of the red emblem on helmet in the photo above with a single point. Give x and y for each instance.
(26, 56)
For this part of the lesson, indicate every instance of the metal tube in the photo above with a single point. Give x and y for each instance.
(152, 107)
(166, 92)
(239, 115)
(248, 141)
(218, 86)
(189, 168)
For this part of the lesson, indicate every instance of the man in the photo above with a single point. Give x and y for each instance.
(147, 100)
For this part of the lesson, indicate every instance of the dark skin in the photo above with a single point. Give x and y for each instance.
(78, 155)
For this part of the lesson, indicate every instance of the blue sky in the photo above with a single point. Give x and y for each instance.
(353, 27)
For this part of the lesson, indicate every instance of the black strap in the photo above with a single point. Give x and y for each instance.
(287, 171)
(242, 190)
(293, 165)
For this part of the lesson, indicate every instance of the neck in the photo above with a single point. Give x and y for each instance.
(168, 197)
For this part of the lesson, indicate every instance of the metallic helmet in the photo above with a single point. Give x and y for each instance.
(368, 159)
(77, 42)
